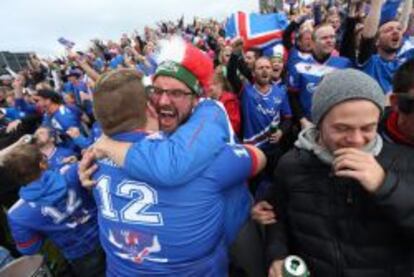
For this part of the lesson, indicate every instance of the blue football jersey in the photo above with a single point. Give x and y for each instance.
(180, 157)
(259, 110)
(148, 228)
(383, 70)
(55, 159)
(296, 56)
(61, 120)
(306, 75)
(70, 222)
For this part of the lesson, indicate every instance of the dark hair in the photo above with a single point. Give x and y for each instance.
(51, 95)
(120, 101)
(403, 80)
(403, 84)
(22, 163)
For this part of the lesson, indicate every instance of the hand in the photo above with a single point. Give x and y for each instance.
(86, 168)
(85, 96)
(100, 146)
(12, 126)
(263, 213)
(69, 160)
(275, 269)
(18, 83)
(358, 165)
(73, 132)
(72, 55)
(276, 136)
(24, 140)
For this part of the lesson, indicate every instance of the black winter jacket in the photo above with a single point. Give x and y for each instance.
(337, 227)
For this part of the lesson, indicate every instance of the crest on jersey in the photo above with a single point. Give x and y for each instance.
(135, 247)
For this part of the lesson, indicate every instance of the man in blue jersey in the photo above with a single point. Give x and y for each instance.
(80, 91)
(306, 74)
(57, 157)
(265, 108)
(56, 115)
(154, 227)
(379, 48)
(56, 207)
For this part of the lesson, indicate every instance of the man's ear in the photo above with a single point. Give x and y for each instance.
(151, 112)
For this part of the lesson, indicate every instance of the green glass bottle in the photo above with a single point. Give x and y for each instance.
(294, 266)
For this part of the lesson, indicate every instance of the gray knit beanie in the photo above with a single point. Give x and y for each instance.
(343, 85)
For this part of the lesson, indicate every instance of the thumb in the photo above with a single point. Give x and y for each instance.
(266, 205)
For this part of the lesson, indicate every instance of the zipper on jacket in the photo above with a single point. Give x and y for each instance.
(335, 227)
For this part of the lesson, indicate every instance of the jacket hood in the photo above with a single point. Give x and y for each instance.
(307, 140)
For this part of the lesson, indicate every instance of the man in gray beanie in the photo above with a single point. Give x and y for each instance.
(342, 196)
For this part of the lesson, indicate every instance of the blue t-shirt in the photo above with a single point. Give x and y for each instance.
(147, 228)
(383, 71)
(260, 110)
(58, 208)
(306, 75)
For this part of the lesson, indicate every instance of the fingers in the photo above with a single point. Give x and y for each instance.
(266, 205)
(354, 151)
(348, 163)
(86, 175)
(86, 169)
(263, 213)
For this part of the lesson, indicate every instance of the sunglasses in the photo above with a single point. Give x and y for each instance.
(405, 103)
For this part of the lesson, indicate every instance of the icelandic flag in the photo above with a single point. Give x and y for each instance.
(389, 10)
(67, 43)
(257, 30)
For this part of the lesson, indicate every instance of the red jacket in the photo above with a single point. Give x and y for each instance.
(232, 105)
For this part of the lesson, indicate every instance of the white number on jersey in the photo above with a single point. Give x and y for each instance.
(135, 212)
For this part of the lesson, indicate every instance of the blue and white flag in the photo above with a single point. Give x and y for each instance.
(257, 30)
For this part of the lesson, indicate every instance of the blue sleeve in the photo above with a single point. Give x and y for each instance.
(28, 241)
(293, 80)
(182, 156)
(234, 165)
(83, 141)
(22, 105)
(389, 10)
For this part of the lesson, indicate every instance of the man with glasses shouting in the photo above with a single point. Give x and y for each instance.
(176, 219)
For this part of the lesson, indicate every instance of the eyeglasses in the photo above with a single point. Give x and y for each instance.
(176, 94)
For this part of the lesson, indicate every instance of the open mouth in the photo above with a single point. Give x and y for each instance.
(167, 118)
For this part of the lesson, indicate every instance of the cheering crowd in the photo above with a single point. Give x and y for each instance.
(182, 152)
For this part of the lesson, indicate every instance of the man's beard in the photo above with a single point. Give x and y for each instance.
(390, 50)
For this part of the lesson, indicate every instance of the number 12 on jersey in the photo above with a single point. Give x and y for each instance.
(140, 197)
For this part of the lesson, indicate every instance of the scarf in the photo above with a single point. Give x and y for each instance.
(308, 137)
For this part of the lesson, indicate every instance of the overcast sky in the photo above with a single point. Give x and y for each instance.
(35, 25)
